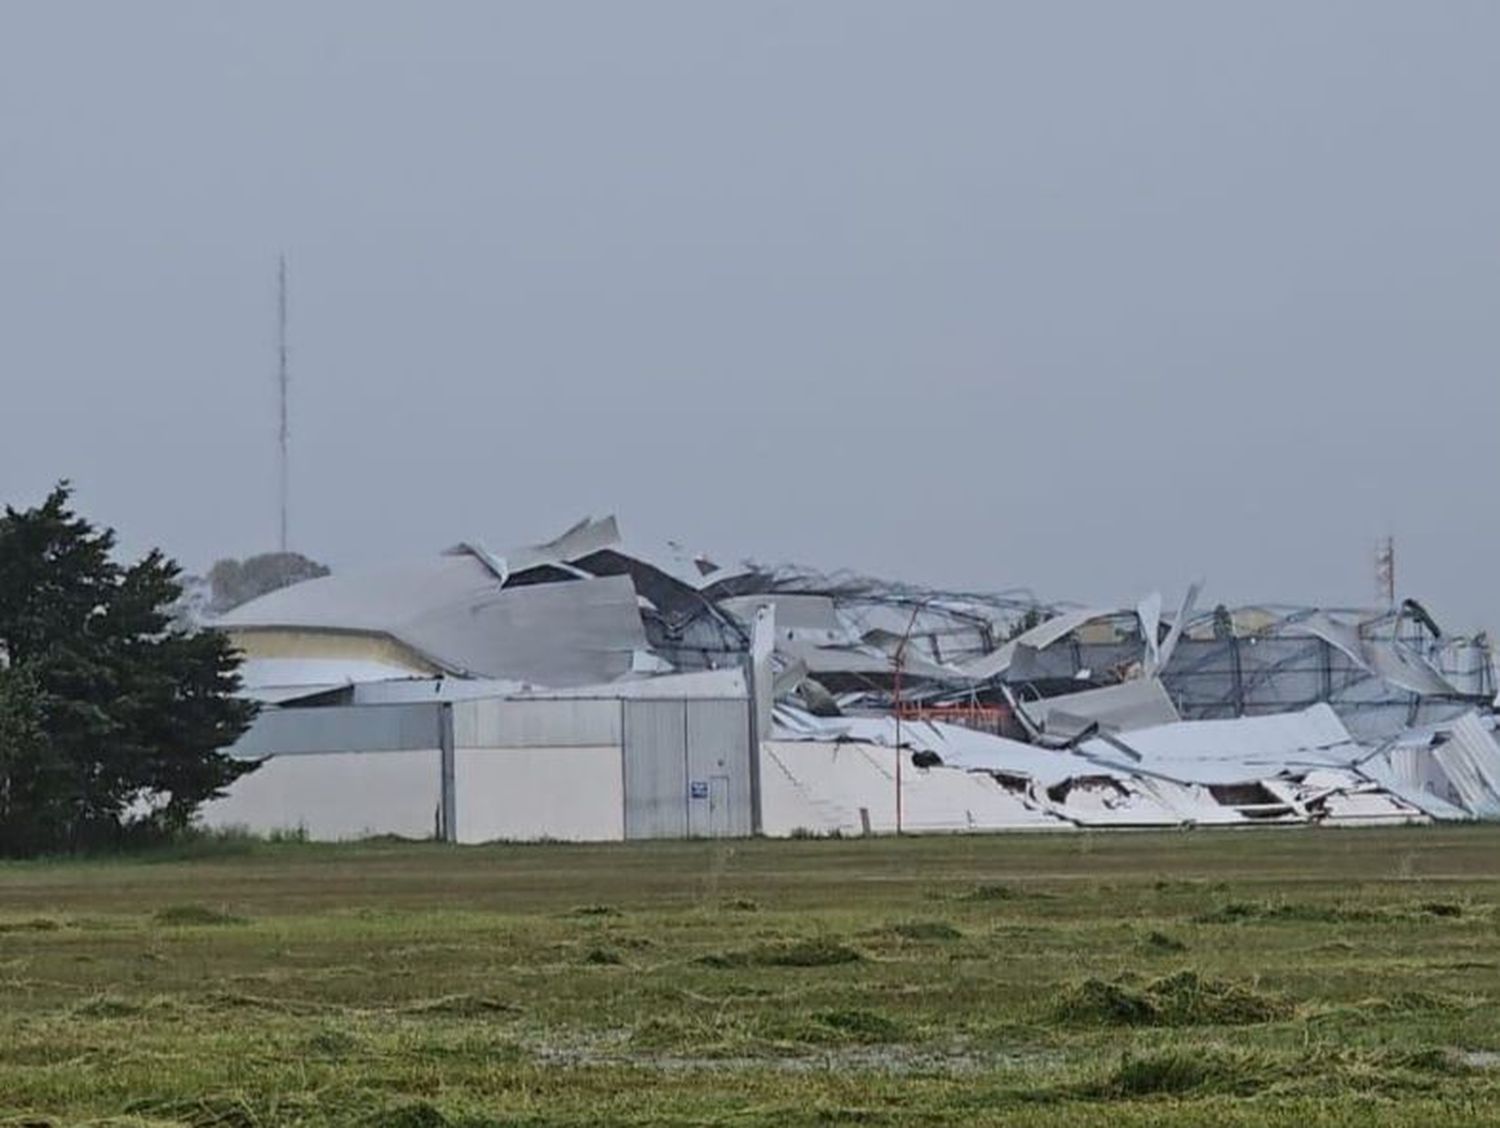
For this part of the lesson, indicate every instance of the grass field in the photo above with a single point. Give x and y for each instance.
(1266, 977)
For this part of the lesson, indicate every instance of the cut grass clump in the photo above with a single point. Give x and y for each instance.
(1161, 942)
(1188, 885)
(202, 1112)
(1187, 999)
(923, 930)
(194, 914)
(804, 953)
(35, 924)
(1416, 1002)
(594, 911)
(230, 1002)
(671, 1034)
(1097, 1003)
(792, 953)
(461, 1006)
(1200, 1071)
(990, 891)
(860, 1026)
(1183, 999)
(1239, 912)
(603, 957)
(1442, 908)
(1425, 1059)
(1389, 1071)
(330, 1043)
(108, 1006)
(414, 1114)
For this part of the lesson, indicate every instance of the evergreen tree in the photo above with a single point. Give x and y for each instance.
(112, 720)
(233, 582)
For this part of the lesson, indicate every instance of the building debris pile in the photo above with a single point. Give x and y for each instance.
(880, 706)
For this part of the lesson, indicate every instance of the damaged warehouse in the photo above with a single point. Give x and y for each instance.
(582, 690)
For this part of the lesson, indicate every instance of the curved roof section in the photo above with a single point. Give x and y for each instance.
(376, 600)
(458, 611)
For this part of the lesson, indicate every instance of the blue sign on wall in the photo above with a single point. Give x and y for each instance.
(698, 789)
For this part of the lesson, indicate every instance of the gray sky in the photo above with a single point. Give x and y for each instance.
(1090, 297)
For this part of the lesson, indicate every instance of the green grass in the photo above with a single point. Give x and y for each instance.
(1257, 977)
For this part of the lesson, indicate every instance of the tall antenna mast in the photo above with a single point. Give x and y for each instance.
(281, 384)
(1385, 571)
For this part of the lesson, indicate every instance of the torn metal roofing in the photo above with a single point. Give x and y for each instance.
(1136, 715)
(1130, 705)
(1297, 767)
(1231, 751)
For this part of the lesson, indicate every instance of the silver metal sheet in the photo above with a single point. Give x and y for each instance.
(1471, 761)
(1038, 637)
(1148, 612)
(586, 537)
(341, 728)
(453, 611)
(1385, 658)
(718, 769)
(713, 684)
(656, 781)
(1179, 624)
(1130, 705)
(559, 634)
(536, 724)
(809, 617)
(376, 600)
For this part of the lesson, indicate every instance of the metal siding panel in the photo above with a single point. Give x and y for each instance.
(341, 795)
(574, 723)
(721, 807)
(579, 633)
(341, 728)
(655, 769)
(570, 794)
(718, 744)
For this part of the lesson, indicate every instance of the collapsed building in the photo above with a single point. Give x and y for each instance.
(583, 690)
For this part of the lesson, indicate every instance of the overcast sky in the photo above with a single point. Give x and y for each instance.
(1086, 297)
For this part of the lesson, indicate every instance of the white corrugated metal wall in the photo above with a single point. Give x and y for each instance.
(573, 769)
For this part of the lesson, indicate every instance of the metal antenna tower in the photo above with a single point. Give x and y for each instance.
(281, 384)
(1385, 571)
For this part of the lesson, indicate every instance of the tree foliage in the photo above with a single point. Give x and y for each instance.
(238, 581)
(112, 720)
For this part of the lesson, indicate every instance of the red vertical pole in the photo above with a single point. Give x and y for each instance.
(900, 658)
(896, 693)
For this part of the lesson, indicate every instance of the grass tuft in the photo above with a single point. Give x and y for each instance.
(1161, 942)
(332, 1043)
(108, 1006)
(1095, 1002)
(34, 924)
(195, 914)
(414, 1114)
(926, 930)
(201, 1112)
(1300, 912)
(792, 953)
(1180, 1072)
(990, 891)
(1182, 999)
(861, 1026)
(461, 1006)
(1442, 908)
